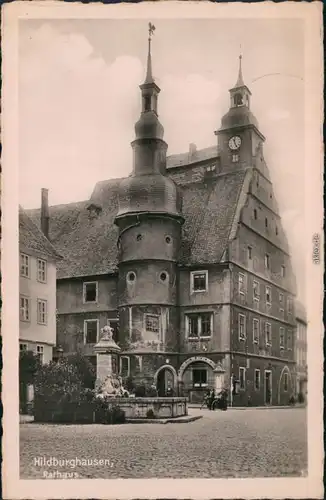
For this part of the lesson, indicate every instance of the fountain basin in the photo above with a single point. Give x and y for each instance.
(139, 408)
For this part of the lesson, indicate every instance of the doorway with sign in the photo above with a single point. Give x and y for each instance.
(268, 387)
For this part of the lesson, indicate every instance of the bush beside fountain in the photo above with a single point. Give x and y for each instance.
(61, 394)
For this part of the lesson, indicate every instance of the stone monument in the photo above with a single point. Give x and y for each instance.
(108, 382)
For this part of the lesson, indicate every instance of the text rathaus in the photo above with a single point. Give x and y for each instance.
(186, 259)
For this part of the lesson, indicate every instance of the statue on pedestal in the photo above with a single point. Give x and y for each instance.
(108, 383)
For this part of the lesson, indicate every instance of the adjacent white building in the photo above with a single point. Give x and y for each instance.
(37, 300)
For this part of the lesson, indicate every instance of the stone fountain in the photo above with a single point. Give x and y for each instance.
(108, 383)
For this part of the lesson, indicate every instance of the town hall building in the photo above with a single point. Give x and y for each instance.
(188, 262)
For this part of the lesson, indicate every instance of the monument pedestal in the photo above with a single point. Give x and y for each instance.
(107, 374)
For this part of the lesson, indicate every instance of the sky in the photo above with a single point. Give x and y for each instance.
(79, 99)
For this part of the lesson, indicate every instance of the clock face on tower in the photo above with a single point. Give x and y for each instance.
(235, 142)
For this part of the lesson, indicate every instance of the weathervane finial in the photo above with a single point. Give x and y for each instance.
(240, 82)
(149, 76)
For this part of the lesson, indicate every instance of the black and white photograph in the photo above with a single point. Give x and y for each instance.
(167, 207)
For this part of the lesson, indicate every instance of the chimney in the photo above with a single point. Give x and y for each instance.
(45, 212)
(192, 151)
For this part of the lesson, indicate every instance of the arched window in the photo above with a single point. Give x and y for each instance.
(147, 103)
(238, 100)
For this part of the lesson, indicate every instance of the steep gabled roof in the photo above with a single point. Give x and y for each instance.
(32, 239)
(89, 243)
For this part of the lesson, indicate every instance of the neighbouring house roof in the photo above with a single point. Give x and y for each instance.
(188, 158)
(88, 242)
(32, 239)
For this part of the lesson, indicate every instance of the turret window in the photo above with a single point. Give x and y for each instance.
(131, 277)
(255, 214)
(139, 237)
(147, 103)
(168, 239)
(163, 276)
(152, 323)
(238, 100)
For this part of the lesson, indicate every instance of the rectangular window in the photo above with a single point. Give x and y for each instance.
(257, 380)
(268, 295)
(281, 299)
(283, 271)
(249, 253)
(242, 283)
(242, 378)
(25, 308)
(124, 366)
(235, 158)
(199, 324)
(40, 352)
(90, 291)
(41, 270)
(24, 265)
(290, 306)
(242, 326)
(286, 382)
(91, 331)
(256, 290)
(22, 347)
(268, 333)
(205, 325)
(152, 323)
(282, 337)
(41, 312)
(267, 261)
(199, 377)
(199, 281)
(114, 324)
(289, 341)
(255, 329)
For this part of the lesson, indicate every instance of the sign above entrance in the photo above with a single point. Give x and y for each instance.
(195, 359)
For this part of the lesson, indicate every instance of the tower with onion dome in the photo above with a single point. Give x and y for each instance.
(149, 220)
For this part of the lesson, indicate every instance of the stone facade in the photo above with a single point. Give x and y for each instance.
(187, 260)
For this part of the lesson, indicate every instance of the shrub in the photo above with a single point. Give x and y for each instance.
(152, 392)
(29, 364)
(129, 384)
(59, 392)
(150, 413)
(108, 413)
(85, 369)
(140, 391)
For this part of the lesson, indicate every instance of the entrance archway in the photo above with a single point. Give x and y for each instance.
(164, 377)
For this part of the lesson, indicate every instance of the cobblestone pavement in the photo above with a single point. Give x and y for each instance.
(248, 443)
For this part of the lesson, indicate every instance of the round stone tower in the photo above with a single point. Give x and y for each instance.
(149, 221)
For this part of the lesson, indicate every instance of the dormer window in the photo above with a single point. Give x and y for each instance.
(94, 210)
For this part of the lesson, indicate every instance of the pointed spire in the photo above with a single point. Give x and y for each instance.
(240, 82)
(149, 76)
